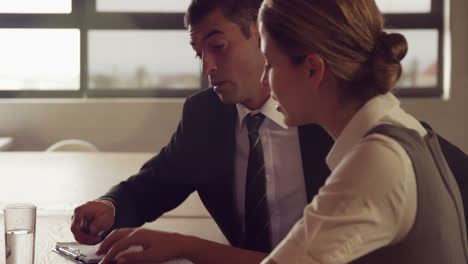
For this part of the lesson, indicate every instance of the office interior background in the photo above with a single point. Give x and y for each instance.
(116, 72)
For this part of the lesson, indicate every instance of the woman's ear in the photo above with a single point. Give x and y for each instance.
(255, 33)
(316, 68)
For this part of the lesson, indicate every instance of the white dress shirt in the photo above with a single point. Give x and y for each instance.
(368, 201)
(285, 184)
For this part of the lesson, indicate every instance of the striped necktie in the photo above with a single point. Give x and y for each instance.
(257, 217)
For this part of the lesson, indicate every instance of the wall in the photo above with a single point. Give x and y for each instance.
(147, 124)
(111, 124)
(450, 118)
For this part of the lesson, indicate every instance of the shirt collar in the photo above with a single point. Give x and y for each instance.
(365, 119)
(268, 109)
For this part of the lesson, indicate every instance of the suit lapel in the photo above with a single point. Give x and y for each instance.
(315, 144)
(230, 149)
(228, 140)
(220, 196)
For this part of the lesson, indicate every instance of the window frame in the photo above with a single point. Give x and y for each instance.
(432, 20)
(85, 17)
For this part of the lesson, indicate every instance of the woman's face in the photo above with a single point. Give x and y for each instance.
(288, 82)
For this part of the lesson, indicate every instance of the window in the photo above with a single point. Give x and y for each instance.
(422, 23)
(96, 48)
(404, 6)
(178, 6)
(147, 62)
(121, 48)
(30, 60)
(33, 7)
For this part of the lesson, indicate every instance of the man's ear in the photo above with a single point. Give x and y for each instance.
(316, 67)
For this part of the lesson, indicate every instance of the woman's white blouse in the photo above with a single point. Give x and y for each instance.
(369, 199)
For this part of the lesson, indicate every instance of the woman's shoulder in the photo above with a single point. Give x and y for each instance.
(376, 165)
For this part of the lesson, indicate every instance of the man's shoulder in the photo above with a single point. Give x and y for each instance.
(205, 114)
(205, 96)
(208, 101)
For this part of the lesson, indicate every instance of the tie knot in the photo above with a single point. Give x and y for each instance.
(253, 122)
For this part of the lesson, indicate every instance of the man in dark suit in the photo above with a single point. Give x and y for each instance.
(211, 153)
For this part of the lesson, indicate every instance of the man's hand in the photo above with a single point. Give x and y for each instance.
(90, 220)
(157, 246)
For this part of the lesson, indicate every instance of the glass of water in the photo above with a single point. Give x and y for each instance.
(20, 227)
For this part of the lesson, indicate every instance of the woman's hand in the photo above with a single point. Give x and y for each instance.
(157, 246)
(161, 246)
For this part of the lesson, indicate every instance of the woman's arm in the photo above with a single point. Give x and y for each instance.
(161, 246)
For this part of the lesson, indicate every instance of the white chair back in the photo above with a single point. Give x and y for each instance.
(73, 145)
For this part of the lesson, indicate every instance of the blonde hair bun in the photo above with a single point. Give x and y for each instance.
(390, 49)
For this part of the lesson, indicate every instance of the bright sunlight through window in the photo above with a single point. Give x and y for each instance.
(40, 59)
(36, 6)
(404, 6)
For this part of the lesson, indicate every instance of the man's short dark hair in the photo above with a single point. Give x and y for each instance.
(240, 12)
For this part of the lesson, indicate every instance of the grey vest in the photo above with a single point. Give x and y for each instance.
(439, 233)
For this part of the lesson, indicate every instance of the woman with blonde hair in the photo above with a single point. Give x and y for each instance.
(390, 197)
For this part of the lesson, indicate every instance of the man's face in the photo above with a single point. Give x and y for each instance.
(232, 63)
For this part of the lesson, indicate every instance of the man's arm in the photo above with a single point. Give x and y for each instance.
(162, 183)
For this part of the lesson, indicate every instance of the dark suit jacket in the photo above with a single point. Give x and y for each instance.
(457, 160)
(200, 157)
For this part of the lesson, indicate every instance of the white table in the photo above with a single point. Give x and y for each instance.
(59, 181)
(49, 230)
(56, 182)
